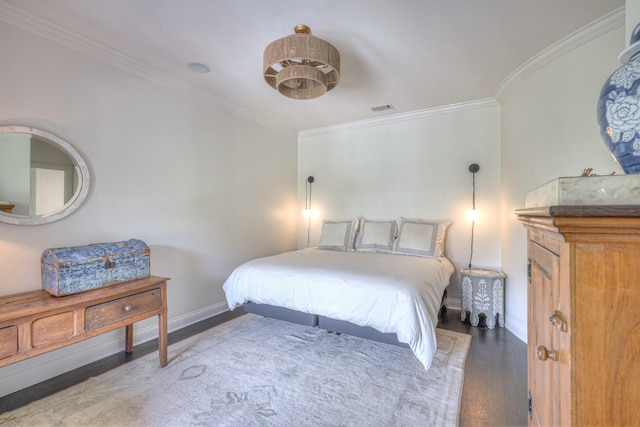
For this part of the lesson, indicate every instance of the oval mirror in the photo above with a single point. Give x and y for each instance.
(42, 177)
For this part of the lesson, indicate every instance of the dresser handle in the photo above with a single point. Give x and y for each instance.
(544, 354)
(128, 307)
(557, 321)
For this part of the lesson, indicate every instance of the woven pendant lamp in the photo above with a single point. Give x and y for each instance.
(301, 66)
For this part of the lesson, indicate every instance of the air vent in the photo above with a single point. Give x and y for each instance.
(383, 107)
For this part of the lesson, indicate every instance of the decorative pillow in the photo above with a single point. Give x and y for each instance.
(421, 237)
(338, 235)
(376, 236)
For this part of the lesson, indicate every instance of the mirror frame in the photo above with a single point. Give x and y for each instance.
(83, 180)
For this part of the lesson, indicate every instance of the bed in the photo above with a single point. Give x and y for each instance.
(384, 282)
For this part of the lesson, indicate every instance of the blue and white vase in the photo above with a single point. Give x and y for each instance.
(619, 108)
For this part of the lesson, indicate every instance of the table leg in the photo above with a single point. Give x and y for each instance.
(475, 317)
(498, 300)
(128, 343)
(162, 330)
(490, 321)
(466, 303)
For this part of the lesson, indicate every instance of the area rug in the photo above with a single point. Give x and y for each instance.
(253, 371)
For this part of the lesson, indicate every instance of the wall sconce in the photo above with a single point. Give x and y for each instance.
(473, 213)
(308, 212)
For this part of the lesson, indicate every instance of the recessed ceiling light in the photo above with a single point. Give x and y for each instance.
(383, 107)
(197, 67)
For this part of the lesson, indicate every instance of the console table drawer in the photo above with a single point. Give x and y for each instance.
(54, 328)
(8, 341)
(115, 311)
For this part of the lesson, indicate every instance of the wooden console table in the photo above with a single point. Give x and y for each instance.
(8, 208)
(33, 323)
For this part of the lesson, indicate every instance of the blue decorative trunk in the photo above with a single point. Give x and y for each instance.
(82, 268)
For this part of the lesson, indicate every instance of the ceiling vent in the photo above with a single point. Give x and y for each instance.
(382, 107)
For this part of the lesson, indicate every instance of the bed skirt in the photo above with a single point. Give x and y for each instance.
(326, 323)
(281, 313)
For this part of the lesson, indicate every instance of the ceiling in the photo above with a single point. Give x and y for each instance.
(412, 54)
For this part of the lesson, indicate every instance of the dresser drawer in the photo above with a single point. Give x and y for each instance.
(8, 341)
(115, 311)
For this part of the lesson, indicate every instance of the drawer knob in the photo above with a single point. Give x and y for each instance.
(557, 321)
(544, 353)
(128, 307)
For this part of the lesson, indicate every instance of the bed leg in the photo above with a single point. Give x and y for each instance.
(443, 307)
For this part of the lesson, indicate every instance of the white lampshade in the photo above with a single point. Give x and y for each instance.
(307, 213)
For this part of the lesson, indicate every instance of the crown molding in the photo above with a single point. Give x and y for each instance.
(597, 28)
(20, 18)
(401, 117)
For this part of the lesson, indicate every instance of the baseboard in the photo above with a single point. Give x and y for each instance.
(41, 368)
(517, 329)
(453, 303)
(191, 318)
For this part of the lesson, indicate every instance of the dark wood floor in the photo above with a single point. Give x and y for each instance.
(495, 383)
(495, 375)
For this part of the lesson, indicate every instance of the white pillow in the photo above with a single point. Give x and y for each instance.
(376, 236)
(421, 237)
(338, 235)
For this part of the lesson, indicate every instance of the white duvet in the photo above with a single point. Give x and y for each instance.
(388, 292)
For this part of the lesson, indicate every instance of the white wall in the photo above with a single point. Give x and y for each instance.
(414, 166)
(204, 188)
(550, 130)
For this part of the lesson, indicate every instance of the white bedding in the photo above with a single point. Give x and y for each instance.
(388, 292)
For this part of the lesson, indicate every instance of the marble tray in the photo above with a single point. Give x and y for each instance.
(587, 190)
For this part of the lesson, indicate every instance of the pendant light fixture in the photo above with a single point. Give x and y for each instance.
(301, 66)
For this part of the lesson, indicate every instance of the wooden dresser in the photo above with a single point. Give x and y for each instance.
(584, 325)
(33, 323)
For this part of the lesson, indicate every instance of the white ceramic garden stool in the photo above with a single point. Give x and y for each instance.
(482, 292)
